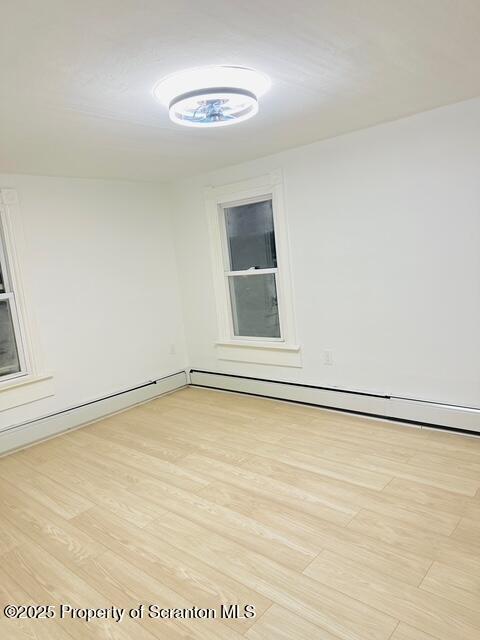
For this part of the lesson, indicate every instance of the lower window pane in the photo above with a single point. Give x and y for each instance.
(9, 361)
(255, 306)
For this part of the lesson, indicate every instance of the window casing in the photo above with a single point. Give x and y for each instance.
(251, 272)
(24, 378)
(12, 351)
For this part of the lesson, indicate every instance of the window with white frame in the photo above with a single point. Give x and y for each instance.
(251, 270)
(250, 259)
(12, 356)
(23, 378)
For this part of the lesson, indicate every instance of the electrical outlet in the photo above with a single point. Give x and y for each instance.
(328, 357)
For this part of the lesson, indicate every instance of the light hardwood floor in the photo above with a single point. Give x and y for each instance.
(335, 527)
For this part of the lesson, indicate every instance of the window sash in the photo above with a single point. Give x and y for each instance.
(10, 298)
(252, 271)
(230, 257)
(223, 224)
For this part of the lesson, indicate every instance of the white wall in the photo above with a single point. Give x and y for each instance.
(384, 228)
(102, 286)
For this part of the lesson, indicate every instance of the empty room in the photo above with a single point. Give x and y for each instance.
(240, 320)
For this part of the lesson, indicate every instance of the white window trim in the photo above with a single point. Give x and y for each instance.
(284, 351)
(11, 298)
(32, 383)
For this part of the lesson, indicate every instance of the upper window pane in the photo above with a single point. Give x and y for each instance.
(9, 361)
(251, 236)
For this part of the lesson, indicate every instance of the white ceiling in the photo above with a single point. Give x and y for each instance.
(76, 76)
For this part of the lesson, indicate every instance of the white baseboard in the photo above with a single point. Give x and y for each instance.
(424, 413)
(26, 434)
(431, 413)
(409, 410)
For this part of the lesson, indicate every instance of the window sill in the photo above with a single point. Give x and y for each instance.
(24, 390)
(270, 353)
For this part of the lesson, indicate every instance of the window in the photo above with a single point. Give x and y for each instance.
(12, 360)
(23, 378)
(251, 268)
(251, 272)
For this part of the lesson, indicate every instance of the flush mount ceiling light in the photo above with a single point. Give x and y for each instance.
(212, 96)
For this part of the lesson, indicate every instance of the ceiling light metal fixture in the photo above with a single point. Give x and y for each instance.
(212, 96)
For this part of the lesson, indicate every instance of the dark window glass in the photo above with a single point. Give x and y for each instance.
(254, 306)
(9, 360)
(250, 236)
(2, 282)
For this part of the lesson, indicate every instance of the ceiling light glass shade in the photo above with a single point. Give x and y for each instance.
(213, 107)
(212, 96)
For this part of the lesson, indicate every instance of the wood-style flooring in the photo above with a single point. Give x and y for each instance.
(334, 527)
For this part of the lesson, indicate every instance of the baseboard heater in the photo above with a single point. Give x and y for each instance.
(419, 412)
(21, 435)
